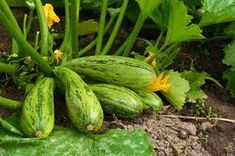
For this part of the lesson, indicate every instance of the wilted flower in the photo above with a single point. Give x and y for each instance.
(50, 15)
(58, 56)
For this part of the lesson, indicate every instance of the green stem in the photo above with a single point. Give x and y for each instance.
(116, 28)
(9, 127)
(29, 24)
(44, 32)
(8, 68)
(14, 47)
(67, 39)
(134, 34)
(75, 9)
(7, 11)
(101, 27)
(26, 48)
(93, 43)
(121, 49)
(8, 103)
(215, 81)
(159, 39)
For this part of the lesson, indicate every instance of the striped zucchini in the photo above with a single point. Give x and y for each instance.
(149, 99)
(118, 70)
(83, 106)
(37, 118)
(118, 100)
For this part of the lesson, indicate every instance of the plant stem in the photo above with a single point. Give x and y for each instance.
(7, 11)
(121, 49)
(215, 81)
(26, 48)
(8, 103)
(101, 27)
(29, 24)
(75, 8)
(159, 39)
(134, 34)
(65, 47)
(8, 68)
(116, 28)
(44, 32)
(93, 43)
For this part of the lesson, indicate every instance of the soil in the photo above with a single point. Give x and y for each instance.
(170, 136)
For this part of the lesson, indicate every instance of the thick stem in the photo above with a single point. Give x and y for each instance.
(8, 68)
(8, 103)
(26, 48)
(116, 28)
(101, 27)
(75, 9)
(134, 34)
(7, 11)
(93, 43)
(67, 39)
(44, 32)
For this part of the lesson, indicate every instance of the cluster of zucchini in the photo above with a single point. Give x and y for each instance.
(120, 90)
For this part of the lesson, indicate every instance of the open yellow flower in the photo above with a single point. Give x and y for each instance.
(50, 15)
(149, 58)
(58, 56)
(160, 83)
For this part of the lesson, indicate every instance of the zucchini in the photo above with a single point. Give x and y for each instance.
(37, 118)
(118, 70)
(150, 99)
(83, 106)
(118, 100)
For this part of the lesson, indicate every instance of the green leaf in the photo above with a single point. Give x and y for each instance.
(147, 6)
(196, 80)
(160, 15)
(88, 27)
(64, 141)
(230, 29)
(179, 24)
(229, 58)
(217, 11)
(178, 90)
(230, 76)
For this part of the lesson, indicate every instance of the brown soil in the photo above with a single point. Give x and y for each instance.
(169, 136)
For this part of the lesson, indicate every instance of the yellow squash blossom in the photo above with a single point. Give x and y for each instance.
(149, 57)
(50, 15)
(160, 83)
(58, 56)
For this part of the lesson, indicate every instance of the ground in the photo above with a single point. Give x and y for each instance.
(170, 136)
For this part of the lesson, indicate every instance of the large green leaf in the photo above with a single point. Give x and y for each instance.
(230, 76)
(178, 90)
(217, 11)
(196, 80)
(179, 24)
(64, 141)
(160, 15)
(229, 58)
(147, 6)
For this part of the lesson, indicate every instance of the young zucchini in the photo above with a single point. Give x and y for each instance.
(37, 118)
(118, 100)
(118, 70)
(150, 99)
(83, 106)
